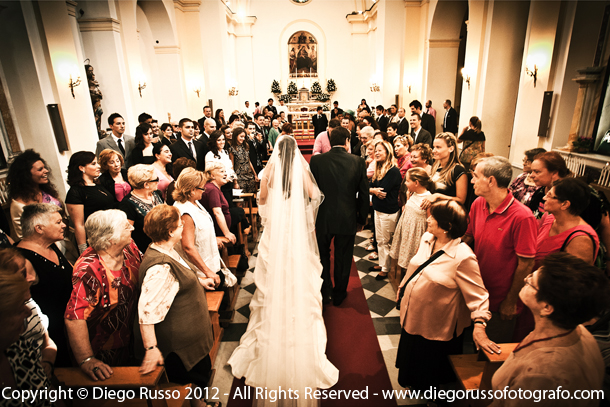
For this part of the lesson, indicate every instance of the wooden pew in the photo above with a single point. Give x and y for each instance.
(475, 371)
(124, 378)
(214, 299)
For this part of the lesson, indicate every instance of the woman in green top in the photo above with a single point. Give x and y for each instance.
(274, 132)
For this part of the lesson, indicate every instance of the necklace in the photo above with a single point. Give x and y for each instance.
(519, 347)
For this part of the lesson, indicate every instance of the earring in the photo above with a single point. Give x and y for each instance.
(171, 235)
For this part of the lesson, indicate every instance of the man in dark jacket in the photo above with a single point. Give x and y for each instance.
(342, 178)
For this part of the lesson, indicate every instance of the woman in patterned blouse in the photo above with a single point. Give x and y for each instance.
(99, 315)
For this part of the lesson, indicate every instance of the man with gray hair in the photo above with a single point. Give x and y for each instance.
(367, 133)
(504, 233)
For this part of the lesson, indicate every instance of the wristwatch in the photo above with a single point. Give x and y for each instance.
(481, 322)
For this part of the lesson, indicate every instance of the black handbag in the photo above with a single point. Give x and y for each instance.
(419, 269)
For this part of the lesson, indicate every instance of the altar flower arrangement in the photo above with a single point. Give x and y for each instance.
(323, 97)
(316, 89)
(285, 97)
(331, 86)
(583, 144)
(325, 107)
(275, 87)
(292, 88)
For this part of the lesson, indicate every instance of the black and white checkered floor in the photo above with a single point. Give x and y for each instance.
(380, 297)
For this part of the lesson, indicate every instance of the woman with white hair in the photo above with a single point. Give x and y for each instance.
(42, 227)
(99, 315)
(141, 200)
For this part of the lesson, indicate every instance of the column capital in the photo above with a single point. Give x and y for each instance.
(589, 75)
(99, 24)
(187, 6)
(71, 7)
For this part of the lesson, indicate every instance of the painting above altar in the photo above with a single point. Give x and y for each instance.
(303, 55)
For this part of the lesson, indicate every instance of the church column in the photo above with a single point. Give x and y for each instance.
(585, 110)
(190, 55)
(76, 110)
(537, 57)
(103, 47)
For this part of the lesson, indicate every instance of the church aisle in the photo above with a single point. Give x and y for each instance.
(380, 300)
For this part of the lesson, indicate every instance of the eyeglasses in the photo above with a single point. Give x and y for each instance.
(201, 189)
(528, 279)
(154, 180)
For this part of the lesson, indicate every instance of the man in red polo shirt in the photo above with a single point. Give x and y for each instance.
(504, 232)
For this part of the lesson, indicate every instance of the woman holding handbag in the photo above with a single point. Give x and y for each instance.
(443, 279)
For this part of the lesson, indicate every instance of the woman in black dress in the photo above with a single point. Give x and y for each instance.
(42, 227)
(85, 195)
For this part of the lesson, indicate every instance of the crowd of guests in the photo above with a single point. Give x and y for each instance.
(139, 232)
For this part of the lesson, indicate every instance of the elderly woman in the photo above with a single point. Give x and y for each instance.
(523, 187)
(179, 166)
(442, 279)
(162, 166)
(85, 196)
(199, 242)
(385, 186)
(143, 150)
(173, 311)
(29, 181)
(421, 156)
(274, 132)
(559, 353)
(403, 158)
(141, 200)
(99, 315)
(114, 176)
(225, 218)
(19, 357)
(42, 228)
(563, 229)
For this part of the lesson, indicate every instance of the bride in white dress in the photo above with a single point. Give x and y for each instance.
(285, 343)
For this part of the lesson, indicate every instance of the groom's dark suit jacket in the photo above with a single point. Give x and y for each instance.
(342, 178)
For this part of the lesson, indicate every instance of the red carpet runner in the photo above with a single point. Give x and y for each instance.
(353, 348)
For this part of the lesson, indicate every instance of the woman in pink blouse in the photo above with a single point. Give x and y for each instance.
(163, 160)
(440, 301)
(403, 157)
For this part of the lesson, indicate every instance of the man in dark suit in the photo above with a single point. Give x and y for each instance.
(382, 119)
(450, 121)
(187, 147)
(256, 148)
(403, 123)
(342, 178)
(117, 140)
(207, 114)
(209, 125)
(418, 133)
(320, 122)
(427, 121)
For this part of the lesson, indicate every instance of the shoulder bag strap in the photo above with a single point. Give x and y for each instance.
(416, 272)
(567, 241)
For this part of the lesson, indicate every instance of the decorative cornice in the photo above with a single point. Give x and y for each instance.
(71, 7)
(416, 3)
(444, 43)
(99, 24)
(187, 6)
(362, 16)
(167, 49)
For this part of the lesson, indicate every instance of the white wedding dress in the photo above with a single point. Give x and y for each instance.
(285, 343)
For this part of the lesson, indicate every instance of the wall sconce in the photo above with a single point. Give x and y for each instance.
(140, 87)
(233, 91)
(466, 77)
(73, 84)
(374, 87)
(532, 73)
(197, 90)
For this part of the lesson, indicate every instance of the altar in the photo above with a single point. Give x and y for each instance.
(299, 114)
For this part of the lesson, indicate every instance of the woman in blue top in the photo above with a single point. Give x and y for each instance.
(385, 186)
